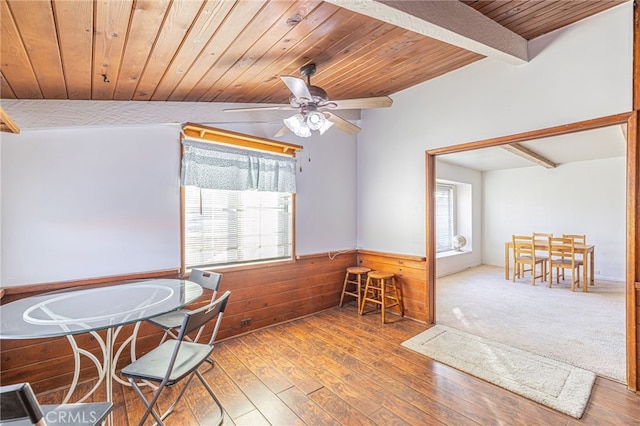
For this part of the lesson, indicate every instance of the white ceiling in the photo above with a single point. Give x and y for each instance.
(606, 142)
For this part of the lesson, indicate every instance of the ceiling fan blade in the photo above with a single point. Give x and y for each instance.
(342, 124)
(264, 108)
(283, 131)
(363, 103)
(298, 87)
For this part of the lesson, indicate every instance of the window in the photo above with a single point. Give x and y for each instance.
(238, 198)
(225, 227)
(445, 217)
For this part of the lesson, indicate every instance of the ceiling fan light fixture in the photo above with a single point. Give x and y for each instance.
(315, 120)
(296, 123)
(325, 126)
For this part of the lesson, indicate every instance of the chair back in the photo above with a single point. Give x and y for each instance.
(523, 246)
(561, 247)
(197, 318)
(542, 237)
(206, 279)
(19, 402)
(577, 238)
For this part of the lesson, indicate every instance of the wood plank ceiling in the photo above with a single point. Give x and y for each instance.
(233, 51)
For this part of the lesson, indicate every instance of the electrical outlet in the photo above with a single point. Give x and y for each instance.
(597, 272)
(245, 322)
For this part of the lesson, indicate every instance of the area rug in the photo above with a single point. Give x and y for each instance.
(555, 384)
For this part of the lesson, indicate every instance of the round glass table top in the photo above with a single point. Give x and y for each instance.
(79, 311)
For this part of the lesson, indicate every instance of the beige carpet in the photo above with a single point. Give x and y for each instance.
(557, 385)
(586, 330)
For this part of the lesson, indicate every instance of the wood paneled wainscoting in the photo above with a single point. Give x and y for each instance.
(410, 274)
(260, 296)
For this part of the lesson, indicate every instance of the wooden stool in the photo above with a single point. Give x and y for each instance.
(379, 290)
(354, 276)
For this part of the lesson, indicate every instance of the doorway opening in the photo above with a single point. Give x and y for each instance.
(434, 156)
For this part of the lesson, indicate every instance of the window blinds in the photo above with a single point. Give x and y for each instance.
(444, 217)
(231, 227)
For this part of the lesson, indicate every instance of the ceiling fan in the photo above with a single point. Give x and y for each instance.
(313, 103)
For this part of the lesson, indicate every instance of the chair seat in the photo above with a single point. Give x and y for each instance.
(169, 320)
(380, 275)
(153, 366)
(566, 262)
(358, 270)
(527, 258)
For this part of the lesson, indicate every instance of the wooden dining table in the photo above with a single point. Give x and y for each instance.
(586, 250)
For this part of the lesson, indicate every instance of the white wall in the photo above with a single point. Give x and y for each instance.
(92, 202)
(84, 203)
(580, 72)
(587, 197)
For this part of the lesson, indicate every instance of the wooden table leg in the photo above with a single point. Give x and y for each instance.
(585, 282)
(592, 266)
(506, 261)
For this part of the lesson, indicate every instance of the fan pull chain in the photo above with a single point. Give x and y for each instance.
(308, 159)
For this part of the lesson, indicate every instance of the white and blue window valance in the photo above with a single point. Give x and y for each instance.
(217, 166)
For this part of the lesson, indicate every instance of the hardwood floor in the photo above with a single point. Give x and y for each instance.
(336, 367)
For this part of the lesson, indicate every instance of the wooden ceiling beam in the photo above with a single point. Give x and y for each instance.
(7, 124)
(529, 155)
(450, 21)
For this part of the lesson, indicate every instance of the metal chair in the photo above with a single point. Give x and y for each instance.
(175, 360)
(172, 321)
(19, 406)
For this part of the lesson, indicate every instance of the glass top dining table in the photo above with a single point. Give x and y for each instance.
(67, 312)
(109, 307)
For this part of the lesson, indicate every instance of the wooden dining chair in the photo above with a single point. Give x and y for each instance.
(524, 254)
(577, 239)
(541, 242)
(562, 255)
